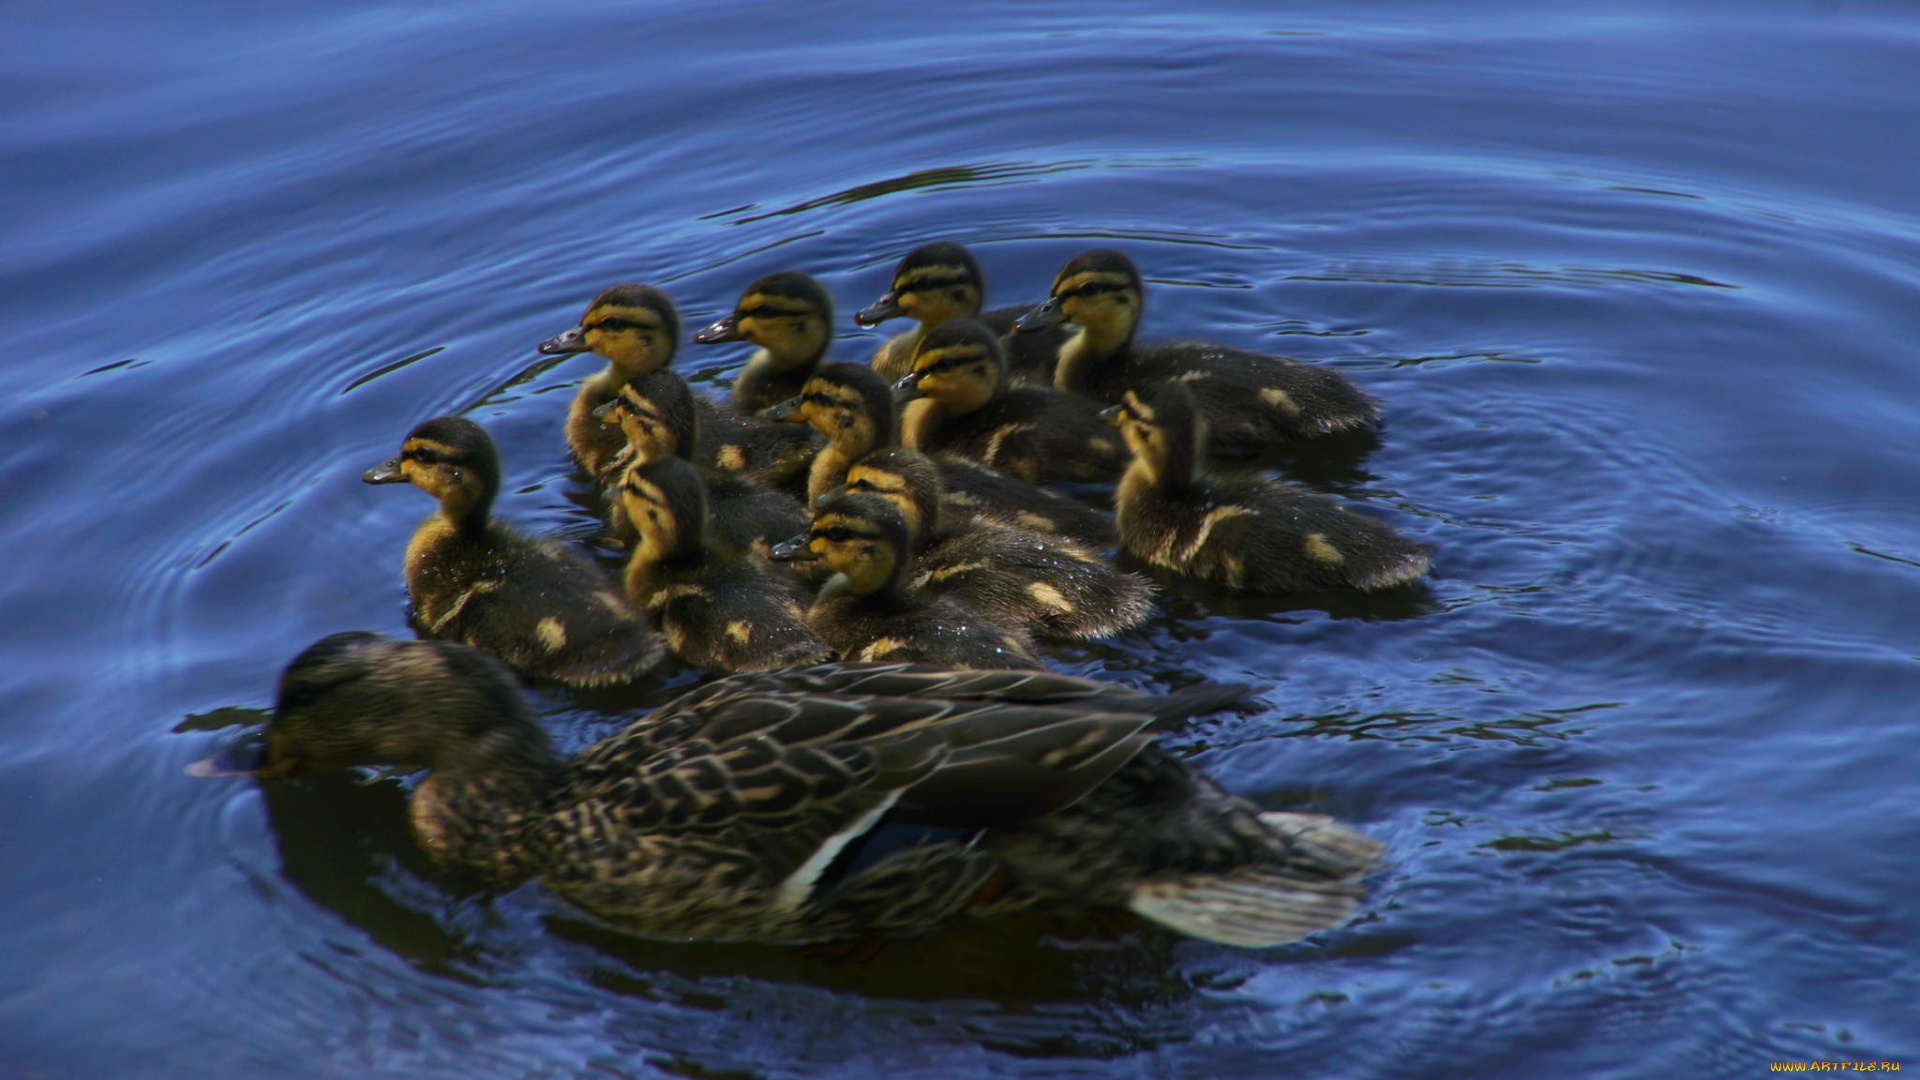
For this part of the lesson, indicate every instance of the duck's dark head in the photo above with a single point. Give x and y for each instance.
(788, 314)
(934, 283)
(634, 326)
(450, 458)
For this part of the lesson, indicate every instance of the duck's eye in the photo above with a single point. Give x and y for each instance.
(862, 484)
(424, 457)
(838, 534)
(613, 323)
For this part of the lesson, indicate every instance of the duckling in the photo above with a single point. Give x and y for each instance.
(720, 612)
(960, 402)
(851, 405)
(868, 611)
(657, 413)
(790, 317)
(636, 329)
(818, 803)
(1254, 534)
(1049, 585)
(1251, 401)
(941, 281)
(544, 608)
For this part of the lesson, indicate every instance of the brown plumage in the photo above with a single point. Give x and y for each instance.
(725, 611)
(543, 608)
(789, 316)
(1251, 401)
(855, 409)
(770, 807)
(1048, 584)
(660, 420)
(1254, 534)
(868, 610)
(959, 402)
(940, 281)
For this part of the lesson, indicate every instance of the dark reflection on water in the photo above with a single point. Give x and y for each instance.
(1636, 286)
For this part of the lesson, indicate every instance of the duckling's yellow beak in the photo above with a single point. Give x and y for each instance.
(566, 343)
(787, 412)
(887, 307)
(798, 549)
(909, 385)
(727, 329)
(387, 472)
(1047, 314)
(1114, 415)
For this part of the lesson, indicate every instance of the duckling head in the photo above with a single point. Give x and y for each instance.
(359, 698)
(667, 502)
(959, 364)
(861, 537)
(452, 459)
(634, 326)
(906, 478)
(656, 413)
(788, 314)
(849, 404)
(1100, 292)
(934, 283)
(1163, 428)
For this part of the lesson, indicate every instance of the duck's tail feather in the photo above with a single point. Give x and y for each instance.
(1254, 908)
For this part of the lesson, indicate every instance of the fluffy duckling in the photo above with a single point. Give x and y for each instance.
(868, 611)
(1251, 401)
(719, 611)
(789, 316)
(636, 329)
(959, 402)
(542, 607)
(941, 281)
(784, 807)
(1049, 585)
(1254, 534)
(657, 413)
(853, 407)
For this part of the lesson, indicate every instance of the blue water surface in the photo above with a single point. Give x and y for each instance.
(1638, 285)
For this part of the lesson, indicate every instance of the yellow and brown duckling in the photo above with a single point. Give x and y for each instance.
(868, 610)
(1050, 585)
(854, 408)
(657, 413)
(941, 281)
(802, 806)
(636, 329)
(789, 317)
(544, 608)
(1251, 401)
(959, 402)
(1254, 534)
(722, 611)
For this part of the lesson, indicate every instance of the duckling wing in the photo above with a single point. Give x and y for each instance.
(1252, 401)
(549, 612)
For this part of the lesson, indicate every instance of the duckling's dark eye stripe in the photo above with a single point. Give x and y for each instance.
(764, 312)
(423, 456)
(923, 284)
(1094, 288)
(614, 322)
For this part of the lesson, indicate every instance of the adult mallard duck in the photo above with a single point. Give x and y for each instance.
(1050, 585)
(1251, 401)
(657, 413)
(854, 408)
(941, 281)
(869, 611)
(958, 401)
(784, 807)
(1255, 534)
(724, 611)
(789, 316)
(542, 607)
